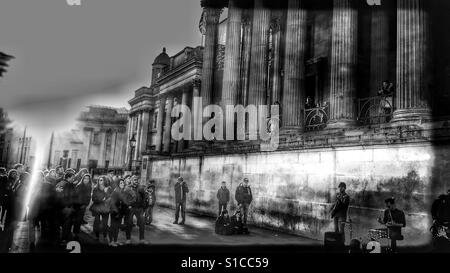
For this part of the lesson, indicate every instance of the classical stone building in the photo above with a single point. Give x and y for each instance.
(336, 53)
(98, 141)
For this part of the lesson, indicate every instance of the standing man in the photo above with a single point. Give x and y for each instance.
(151, 200)
(340, 208)
(181, 189)
(67, 195)
(244, 197)
(136, 197)
(223, 194)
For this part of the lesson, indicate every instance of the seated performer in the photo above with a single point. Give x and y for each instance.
(223, 224)
(237, 224)
(394, 219)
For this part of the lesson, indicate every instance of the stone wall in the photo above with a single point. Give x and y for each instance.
(293, 190)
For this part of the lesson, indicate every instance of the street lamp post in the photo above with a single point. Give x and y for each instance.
(132, 146)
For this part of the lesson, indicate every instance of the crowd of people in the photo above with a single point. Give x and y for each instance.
(59, 199)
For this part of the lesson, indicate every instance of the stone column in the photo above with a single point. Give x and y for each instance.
(231, 77)
(294, 67)
(159, 124)
(137, 150)
(168, 124)
(184, 101)
(413, 65)
(128, 135)
(245, 60)
(344, 57)
(196, 112)
(276, 79)
(379, 56)
(212, 16)
(258, 63)
(144, 131)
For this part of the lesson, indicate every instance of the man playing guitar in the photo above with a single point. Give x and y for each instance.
(394, 219)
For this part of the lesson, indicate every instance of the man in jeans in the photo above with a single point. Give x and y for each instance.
(223, 194)
(244, 197)
(151, 195)
(136, 197)
(340, 208)
(181, 189)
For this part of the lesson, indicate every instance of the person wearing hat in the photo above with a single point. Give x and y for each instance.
(394, 219)
(244, 197)
(181, 189)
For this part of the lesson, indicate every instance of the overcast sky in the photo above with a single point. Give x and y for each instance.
(68, 57)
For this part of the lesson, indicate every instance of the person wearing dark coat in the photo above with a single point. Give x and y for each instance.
(244, 197)
(118, 210)
(223, 195)
(136, 198)
(440, 210)
(151, 200)
(7, 205)
(68, 198)
(223, 224)
(339, 209)
(181, 189)
(20, 189)
(83, 197)
(100, 208)
(34, 207)
(47, 212)
(237, 224)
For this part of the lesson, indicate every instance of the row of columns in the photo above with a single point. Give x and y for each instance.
(138, 126)
(164, 119)
(411, 68)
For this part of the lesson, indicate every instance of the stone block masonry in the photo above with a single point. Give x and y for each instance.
(293, 190)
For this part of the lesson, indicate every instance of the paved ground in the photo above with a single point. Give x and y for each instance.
(200, 230)
(196, 235)
(162, 234)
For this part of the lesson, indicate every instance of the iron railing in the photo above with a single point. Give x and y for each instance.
(316, 118)
(375, 110)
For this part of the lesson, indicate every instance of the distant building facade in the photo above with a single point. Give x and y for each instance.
(98, 142)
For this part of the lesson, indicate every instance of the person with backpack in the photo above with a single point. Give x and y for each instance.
(244, 198)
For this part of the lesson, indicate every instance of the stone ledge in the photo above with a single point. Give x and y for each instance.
(432, 132)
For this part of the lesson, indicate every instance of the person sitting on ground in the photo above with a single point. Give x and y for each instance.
(223, 224)
(237, 224)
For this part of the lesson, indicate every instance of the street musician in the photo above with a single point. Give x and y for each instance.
(394, 219)
(340, 208)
